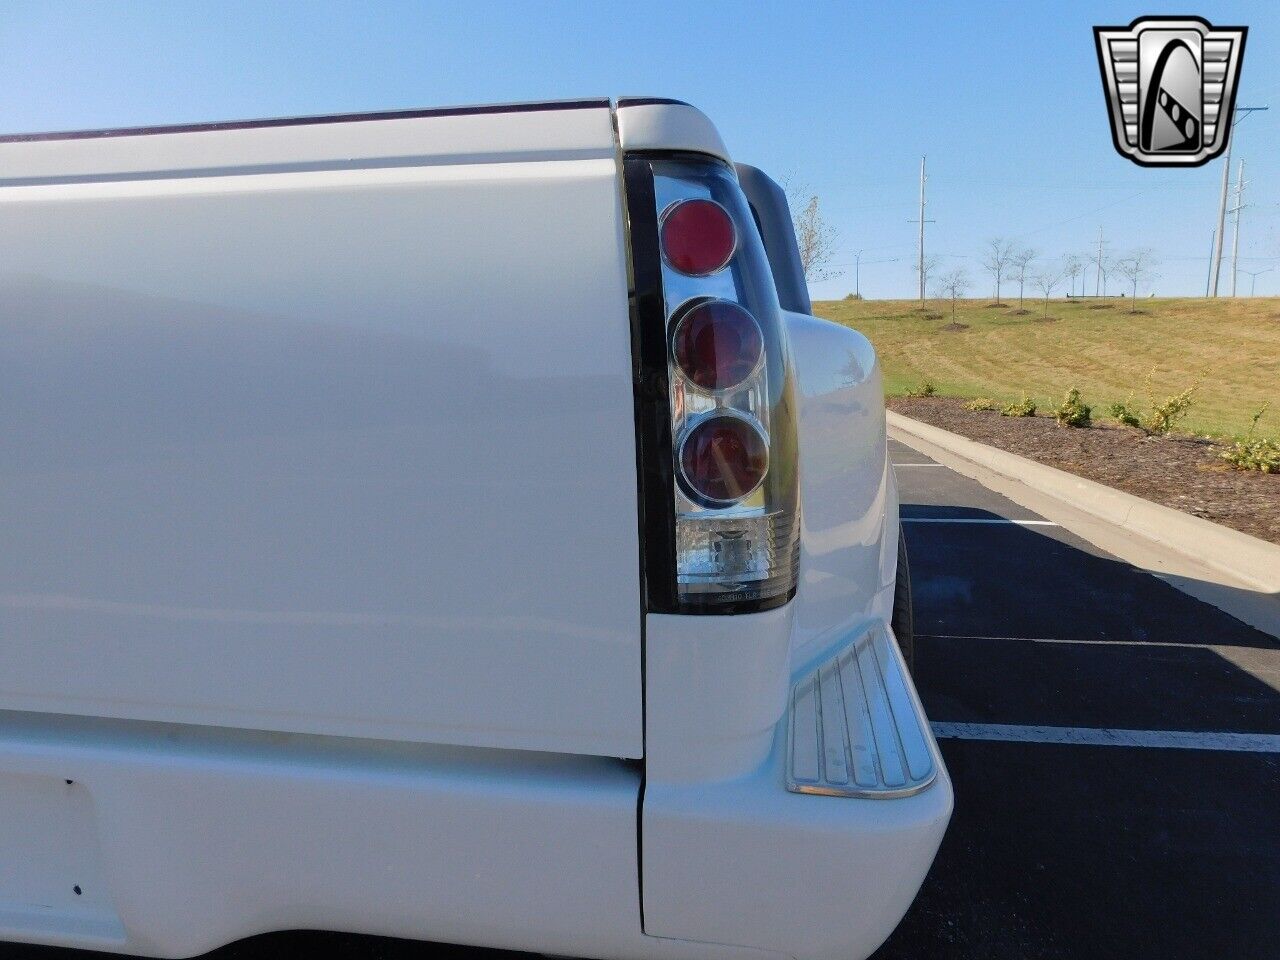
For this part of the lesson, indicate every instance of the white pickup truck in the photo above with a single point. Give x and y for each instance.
(446, 524)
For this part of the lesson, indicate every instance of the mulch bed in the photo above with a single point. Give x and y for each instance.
(1185, 473)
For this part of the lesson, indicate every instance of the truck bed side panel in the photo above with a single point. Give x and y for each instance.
(343, 447)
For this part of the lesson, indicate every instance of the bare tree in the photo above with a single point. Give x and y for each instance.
(1020, 261)
(953, 284)
(1072, 267)
(930, 265)
(996, 260)
(1047, 281)
(814, 236)
(1137, 267)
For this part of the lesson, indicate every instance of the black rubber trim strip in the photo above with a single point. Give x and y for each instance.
(650, 102)
(652, 392)
(601, 103)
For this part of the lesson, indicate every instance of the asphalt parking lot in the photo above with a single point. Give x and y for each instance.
(1055, 850)
(1085, 850)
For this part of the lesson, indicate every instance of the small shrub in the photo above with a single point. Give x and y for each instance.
(1073, 412)
(1026, 407)
(1161, 416)
(853, 296)
(1123, 413)
(1166, 415)
(1259, 453)
(926, 389)
(981, 403)
(1255, 453)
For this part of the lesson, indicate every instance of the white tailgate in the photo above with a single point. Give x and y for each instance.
(338, 439)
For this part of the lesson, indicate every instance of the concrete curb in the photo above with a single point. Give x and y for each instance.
(1250, 560)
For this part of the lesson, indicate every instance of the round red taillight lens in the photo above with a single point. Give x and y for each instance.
(723, 459)
(717, 344)
(698, 237)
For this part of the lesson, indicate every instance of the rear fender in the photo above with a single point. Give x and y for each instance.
(849, 538)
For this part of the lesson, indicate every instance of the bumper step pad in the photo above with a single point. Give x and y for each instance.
(855, 729)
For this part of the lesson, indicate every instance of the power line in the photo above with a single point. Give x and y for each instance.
(1080, 216)
(867, 263)
(1201, 257)
(1029, 185)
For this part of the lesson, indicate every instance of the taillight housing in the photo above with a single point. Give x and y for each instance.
(716, 416)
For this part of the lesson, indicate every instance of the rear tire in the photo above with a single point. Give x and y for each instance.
(903, 619)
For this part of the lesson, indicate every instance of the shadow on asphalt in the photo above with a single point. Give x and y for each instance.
(1087, 852)
(1041, 582)
(298, 945)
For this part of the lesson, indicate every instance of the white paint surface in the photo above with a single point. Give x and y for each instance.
(849, 546)
(669, 126)
(341, 451)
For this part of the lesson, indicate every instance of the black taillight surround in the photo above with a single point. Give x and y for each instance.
(756, 540)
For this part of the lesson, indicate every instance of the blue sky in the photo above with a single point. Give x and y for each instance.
(1003, 97)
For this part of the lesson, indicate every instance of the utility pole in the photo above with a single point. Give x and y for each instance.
(857, 273)
(1213, 234)
(1098, 289)
(1216, 269)
(921, 262)
(1235, 233)
(1253, 278)
(922, 221)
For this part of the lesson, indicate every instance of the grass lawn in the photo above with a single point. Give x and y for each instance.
(1231, 346)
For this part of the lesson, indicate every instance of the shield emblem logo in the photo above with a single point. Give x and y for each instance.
(1170, 84)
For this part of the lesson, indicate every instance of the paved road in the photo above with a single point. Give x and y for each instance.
(1084, 851)
(1054, 850)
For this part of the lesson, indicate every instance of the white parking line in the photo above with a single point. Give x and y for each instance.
(1020, 523)
(1086, 643)
(1092, 643)
(1104, 737)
